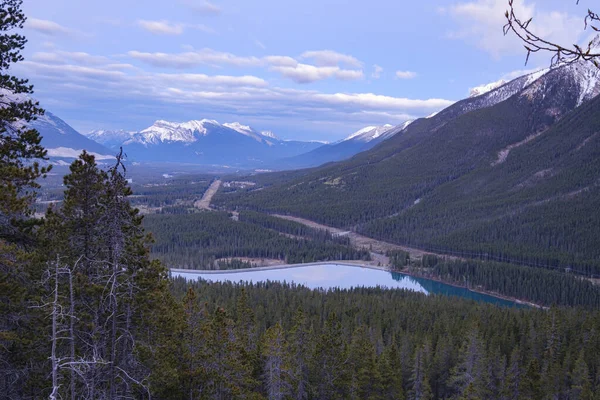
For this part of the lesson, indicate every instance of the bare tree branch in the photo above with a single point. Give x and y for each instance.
(534, 43)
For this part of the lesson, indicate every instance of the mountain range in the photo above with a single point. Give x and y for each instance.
(209, 142)
(203, 142)
(510, 174)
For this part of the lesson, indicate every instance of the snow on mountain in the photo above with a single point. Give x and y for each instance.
(236, 126)
(67, 152)
(204, 142)
(248, 131)
(165, 131)
(483, 89)
(583, 78)
(269, 134)
(369, 133)
(62, 141)
(110, 138)
(406, 124)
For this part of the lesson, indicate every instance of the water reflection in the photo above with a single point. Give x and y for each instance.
(325, 276)
(329, 276)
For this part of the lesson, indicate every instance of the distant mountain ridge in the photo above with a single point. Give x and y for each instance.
(360, 141)
(204, 141)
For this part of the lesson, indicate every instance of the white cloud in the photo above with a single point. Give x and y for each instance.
(330, 58)
(481, 21)
(194, 58)
(63, 57)
(244, 95)
(202, 79)
(47, 27)
(287, 66)
(375, 101)
(161, 27)
(203, 7)
(304, 73)
(406, 74)
(377, 70)
(280, 61)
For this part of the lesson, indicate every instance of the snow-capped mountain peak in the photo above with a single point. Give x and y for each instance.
(369, 133)
(236, 126)
(483, 89)
(165, 131)
(110, 138)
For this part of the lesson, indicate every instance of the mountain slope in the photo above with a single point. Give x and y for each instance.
(451, 181)
(360, 141)
(62, 141)
(58, 137)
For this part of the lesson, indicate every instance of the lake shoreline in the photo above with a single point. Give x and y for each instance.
(356, 264)
(276, 267)
(479, 291)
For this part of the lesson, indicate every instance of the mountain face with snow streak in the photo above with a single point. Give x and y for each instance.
(64, 142)
(361, 140)
(59, 138)
(369, 133)
(205, 142)
(110, 138)
(483, 89)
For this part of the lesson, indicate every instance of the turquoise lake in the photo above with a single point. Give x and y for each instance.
(329, 276)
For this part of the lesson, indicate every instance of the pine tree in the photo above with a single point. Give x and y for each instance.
(391, 373)
(581, 385)
(193, 342)
(468, 370)
(277, 365)
(366, 381)
(512, 381)
(228, 371)
(421, 388)
(531, 387)
(115, 318)
(20, 150)
(20, 146)
(329, 375)
(299, 350)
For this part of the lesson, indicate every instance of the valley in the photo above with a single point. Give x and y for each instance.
(266, 201)
(204, 202)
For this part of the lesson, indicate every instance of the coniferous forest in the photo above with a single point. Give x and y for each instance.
(87, 313)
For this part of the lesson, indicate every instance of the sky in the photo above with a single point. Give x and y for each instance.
(307, 70)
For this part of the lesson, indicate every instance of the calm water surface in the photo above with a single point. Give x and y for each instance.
(329, 276)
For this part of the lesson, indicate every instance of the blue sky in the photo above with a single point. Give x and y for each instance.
(310, 69)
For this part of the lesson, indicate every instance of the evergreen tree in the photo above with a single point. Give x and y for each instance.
(111, 289)
(467, 372)
(581, 385)
(391, 373)
(531, 387)
(20, 149)
(365, 380)
(329, 376)
(421, 388)
(299, 350)
(277, 365)
(193, 342)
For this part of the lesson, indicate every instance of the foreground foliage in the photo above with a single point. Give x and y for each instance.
(286, 341)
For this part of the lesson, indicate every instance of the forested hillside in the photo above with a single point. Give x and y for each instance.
(517, 181)
(208, 240)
